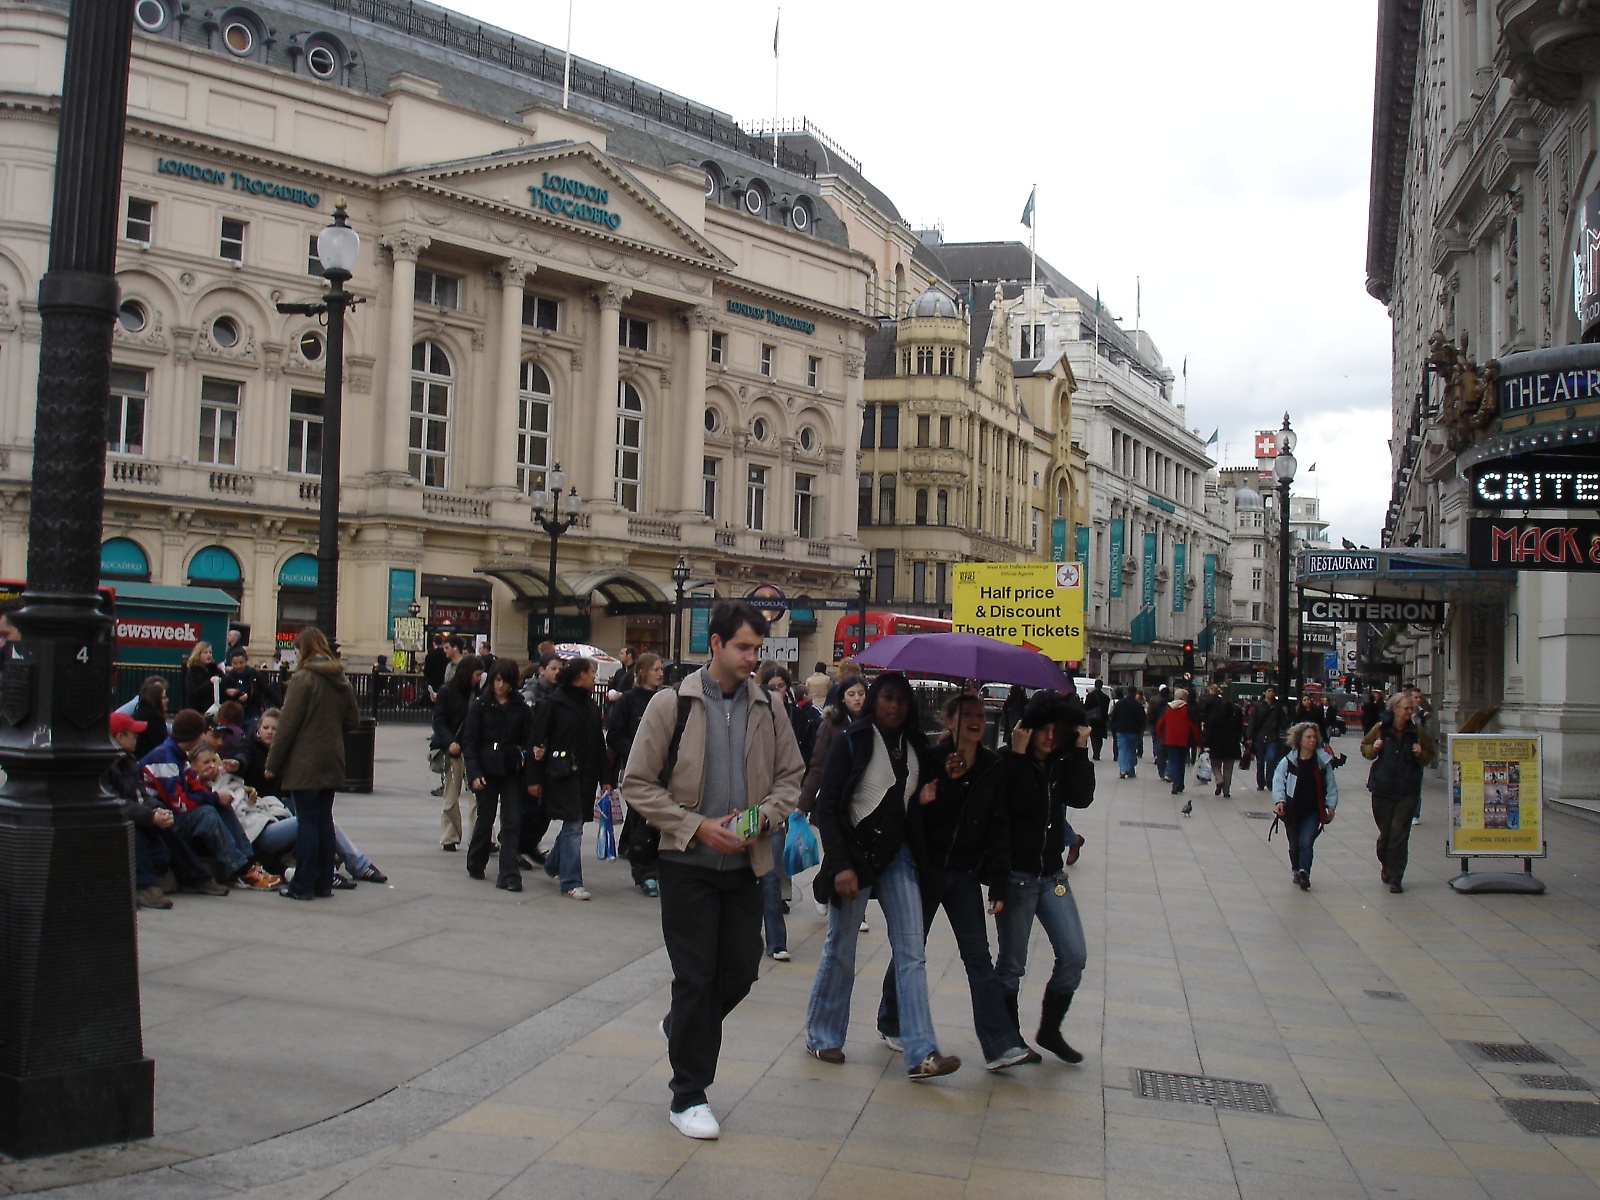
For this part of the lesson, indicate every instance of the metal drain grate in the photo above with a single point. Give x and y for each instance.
(1202, 1089)
(1511, 1052)
(1555, 1083)
(1148, 825)
(1556, 1118)
(1377, 995)
(1259, 816)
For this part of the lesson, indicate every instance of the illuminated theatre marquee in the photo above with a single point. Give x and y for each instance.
(1536, 487)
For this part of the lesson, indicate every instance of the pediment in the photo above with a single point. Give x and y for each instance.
(574, 188)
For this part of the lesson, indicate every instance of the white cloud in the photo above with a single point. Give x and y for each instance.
(1219, 152)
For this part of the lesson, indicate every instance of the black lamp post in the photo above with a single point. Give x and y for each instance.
(337, 247)
(72, 1066)
(863, 574)
(413, 610)
(551, 500)
(1283, 469)
(680, 576)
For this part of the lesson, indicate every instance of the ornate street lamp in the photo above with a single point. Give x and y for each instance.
(1283, 469)
(72, 1066)
(337, 247)
(863, 574)
(551, 499)
(680, 576)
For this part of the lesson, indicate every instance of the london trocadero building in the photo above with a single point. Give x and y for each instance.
(629, 287)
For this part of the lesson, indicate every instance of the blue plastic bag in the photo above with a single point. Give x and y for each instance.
(800, 849)
(605, 842)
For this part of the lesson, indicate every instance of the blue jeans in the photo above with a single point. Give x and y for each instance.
(961, 897)
(1267, 756)
(208, 828)
(282, 836)
(1301, 835)
(775, 929)
(828, 1013)
(1177, 764)
(1127, 751)
(1030, 896)
(314, 843)
(565, 860)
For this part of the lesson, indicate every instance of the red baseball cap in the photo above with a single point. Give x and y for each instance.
(121, 722)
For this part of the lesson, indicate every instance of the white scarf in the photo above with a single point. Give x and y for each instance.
(878, 778)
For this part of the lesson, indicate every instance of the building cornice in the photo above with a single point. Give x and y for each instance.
(1394, 92)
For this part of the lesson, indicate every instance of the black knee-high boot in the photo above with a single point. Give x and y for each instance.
(1049, 1036)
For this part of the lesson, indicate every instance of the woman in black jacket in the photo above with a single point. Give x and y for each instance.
(850, 700)
(868, 815)
(570, 758)
(152, 711)
(1047, 771)
(494, 744)
(964, 839)
(449, 729)
(1224, 729)
(622, 726)
(198, 691)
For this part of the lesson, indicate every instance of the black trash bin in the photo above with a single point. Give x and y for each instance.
(360, 756)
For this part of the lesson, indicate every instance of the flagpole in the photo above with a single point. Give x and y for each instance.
(1138, 304)
(1033, 275)
(1094, 362)
(566, 70)
(777, 22)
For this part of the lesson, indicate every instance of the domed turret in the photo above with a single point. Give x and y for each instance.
(934, 303)
(1247, 497)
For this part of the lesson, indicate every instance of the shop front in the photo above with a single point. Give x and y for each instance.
(297, 598)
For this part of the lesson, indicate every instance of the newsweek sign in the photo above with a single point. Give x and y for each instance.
(132, 631)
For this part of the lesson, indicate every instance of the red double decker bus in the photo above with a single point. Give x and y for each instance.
(846, 637)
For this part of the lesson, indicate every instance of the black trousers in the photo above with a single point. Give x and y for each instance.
(535, 824)
(1392, 815)
(505, 793)
(711, 923)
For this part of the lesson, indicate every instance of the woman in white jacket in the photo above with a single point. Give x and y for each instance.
(1305, 795)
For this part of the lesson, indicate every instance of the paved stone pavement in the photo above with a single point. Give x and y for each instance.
(438, 1038)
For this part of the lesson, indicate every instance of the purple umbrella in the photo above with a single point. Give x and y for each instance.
(964, 656)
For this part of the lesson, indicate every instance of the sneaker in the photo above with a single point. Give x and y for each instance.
(581, 893)
(935, 1065)
(893, 1042)
(343, 882)
(438, 791)
(650, 888)
(449, 847)
(154, 897)
(779, 956)
(371, 874)
(1416, 820)
(661, 1028)
(697, 1122)
(255, 878)
(206, 887)
(864, 927)
(1015, 1056)
(1302, 880)
(512, 884)
(828, 1054)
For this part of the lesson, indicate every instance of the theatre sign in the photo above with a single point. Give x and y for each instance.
(1374, 608)
(1530, 545)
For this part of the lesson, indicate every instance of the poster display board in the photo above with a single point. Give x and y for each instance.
(1496, 807)
(1038, 606)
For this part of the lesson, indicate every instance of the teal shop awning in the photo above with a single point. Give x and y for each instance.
(299, 572)
(214, 564)
(1400, 573)
(123, 558)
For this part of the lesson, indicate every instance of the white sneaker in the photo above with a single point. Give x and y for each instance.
(780, 955)
(893, 1043)
(1416, 820)
(863, 927)
(577, 893)
(697, 1122)
(1007, 1058)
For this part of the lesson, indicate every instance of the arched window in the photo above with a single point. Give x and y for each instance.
(432, 391)
(534, 401)
(1061, 498)
(630, 445)
(886, 497)
(899, 289)
(922, 506)
(942, 511)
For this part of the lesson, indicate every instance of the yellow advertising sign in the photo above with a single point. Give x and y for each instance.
(1495, 795)
(1035, 605)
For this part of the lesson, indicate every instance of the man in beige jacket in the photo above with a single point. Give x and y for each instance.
(734, 750)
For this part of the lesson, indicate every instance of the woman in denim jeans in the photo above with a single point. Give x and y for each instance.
(868, 815)
(1045, 774)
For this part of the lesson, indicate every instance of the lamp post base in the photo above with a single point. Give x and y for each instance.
(69, 1110)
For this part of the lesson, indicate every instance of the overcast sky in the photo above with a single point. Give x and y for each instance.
(1217, 152)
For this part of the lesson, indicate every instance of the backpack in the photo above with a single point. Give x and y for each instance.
(640, 842)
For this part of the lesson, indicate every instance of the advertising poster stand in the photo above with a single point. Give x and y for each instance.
(1497, 809)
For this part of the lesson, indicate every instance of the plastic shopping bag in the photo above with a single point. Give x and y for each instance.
(605, 841)
(1202, 767)
(800, 849)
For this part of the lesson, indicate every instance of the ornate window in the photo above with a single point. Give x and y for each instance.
(535, 398)
(432, 395)
(630, 445)
(125, 411)
(305, 433)
(219, 422)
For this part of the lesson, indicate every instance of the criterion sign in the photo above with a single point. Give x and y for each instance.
(1495, 795)
(1038, 606)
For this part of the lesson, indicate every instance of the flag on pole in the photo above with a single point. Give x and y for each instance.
(1097, 302)
(1027, 212)
(1186, 368)
(1212, 440)
(776, 21)
(1311, 468)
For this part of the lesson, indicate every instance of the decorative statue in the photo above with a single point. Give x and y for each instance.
(1469, 400)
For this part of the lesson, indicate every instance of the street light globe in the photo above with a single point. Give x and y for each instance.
(1283, 467)
(558, 479)
(862, 571)
(338, 244)
(1288, 439)
(541, 500)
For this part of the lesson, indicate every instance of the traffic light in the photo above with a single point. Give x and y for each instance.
(1188, 659)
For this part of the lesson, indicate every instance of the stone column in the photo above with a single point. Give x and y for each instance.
(508, 378)
(840, 511)
(694, 403)
(600, 487)
(403, 247)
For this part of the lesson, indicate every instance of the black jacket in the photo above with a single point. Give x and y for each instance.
(567, 725)
(1097, 703)
(197, 690)
(964, 829)
(449, 717)
(1157, 707)
(1127, 716)
(124, 780)
(1224, 729)
(252, 755)
(622, 724)
(1037, 796)
(496, 739)
(1396, 771)
(153, 733)
(245, 683)
(1267, 723)
(868, 847)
